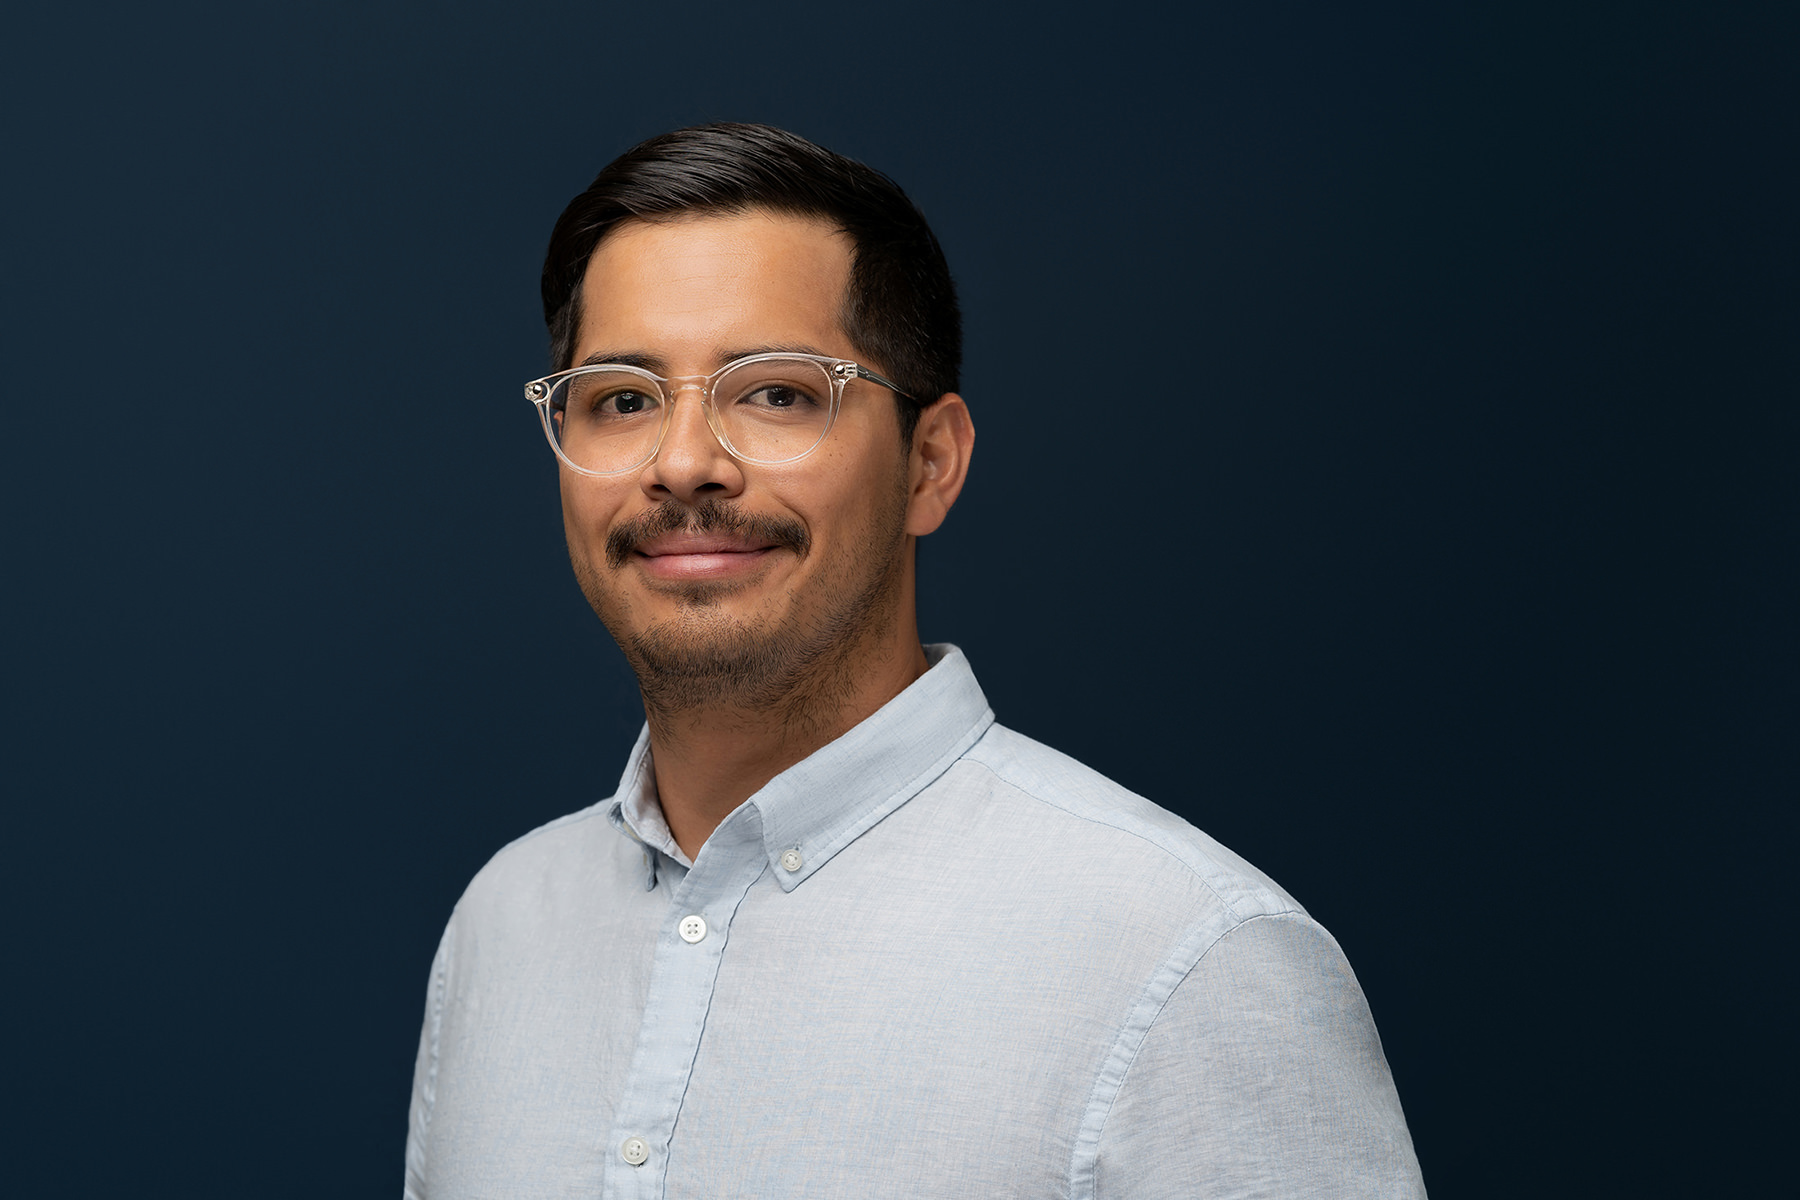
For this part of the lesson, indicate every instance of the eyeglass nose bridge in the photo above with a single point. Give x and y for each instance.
(686, 383)
(672, 387)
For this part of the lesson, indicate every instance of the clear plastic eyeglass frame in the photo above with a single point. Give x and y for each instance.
(841, 371)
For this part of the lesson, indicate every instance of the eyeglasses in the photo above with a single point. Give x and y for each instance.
(766, 409)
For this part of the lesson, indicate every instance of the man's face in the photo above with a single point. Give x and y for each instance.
(724, 580)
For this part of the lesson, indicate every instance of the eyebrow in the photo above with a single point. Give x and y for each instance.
(657, 365)
(625, 358)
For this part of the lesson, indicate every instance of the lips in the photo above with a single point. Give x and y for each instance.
(684, 544)
(694, 556)
(712, 535)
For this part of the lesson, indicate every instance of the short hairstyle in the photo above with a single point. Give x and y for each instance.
(900, 308)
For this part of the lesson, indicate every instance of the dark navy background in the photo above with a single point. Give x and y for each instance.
(1445, 565)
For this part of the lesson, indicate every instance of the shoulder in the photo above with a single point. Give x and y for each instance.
(1248, 997)
(1260, 1073)
(549, 866)
(1124, 833)
(1235, 991)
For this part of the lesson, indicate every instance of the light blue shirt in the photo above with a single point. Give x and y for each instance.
(933, 959)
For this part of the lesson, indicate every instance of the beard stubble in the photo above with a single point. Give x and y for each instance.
(799, 665)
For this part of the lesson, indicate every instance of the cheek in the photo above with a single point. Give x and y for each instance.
(587, 511)
(571, 511)
(584, 495)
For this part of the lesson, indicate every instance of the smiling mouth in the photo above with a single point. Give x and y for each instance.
(677, 545)
(700, 556)
(714, 537)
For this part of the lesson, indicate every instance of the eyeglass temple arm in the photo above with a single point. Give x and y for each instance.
(889, 384)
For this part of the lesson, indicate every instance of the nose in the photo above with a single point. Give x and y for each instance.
(691, 464)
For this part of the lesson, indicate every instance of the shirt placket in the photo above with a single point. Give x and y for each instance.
(689, 948)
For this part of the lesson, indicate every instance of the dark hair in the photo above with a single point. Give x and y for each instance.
(900, 309)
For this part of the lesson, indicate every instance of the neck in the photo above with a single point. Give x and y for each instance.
(711, 755)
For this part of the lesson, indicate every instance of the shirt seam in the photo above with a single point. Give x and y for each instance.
(1139, 834)
(712, 996)
(440, 986)
(632, 1074)
(1115, 1069)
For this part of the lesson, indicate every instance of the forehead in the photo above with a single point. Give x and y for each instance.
(697, 289)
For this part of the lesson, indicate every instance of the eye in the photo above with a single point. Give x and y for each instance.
(624, 402)
(778, 397)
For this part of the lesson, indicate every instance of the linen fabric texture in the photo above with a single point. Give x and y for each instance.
(934, 958)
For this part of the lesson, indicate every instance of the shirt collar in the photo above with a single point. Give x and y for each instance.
(826, 801)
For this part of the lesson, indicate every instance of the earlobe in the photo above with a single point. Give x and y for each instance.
(942, 443)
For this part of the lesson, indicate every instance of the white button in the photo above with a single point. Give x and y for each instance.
(635, 1151)
(790, 860)
(692, 929)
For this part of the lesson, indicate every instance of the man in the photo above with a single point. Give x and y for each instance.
(837, 933)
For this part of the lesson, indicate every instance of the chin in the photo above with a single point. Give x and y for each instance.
(702, 593)
(717, 660)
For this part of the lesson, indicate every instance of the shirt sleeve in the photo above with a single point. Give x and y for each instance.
(424, 1090)
(1262, 1076)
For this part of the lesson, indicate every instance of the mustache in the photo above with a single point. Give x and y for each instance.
(708, 516)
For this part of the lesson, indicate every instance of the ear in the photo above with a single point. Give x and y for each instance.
(941, 444)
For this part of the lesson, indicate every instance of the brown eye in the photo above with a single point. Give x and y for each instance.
(779, 397)
(624, 403)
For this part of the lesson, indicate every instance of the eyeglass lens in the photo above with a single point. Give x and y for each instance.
(770, 411)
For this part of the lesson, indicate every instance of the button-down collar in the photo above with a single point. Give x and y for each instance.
(826, 801)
